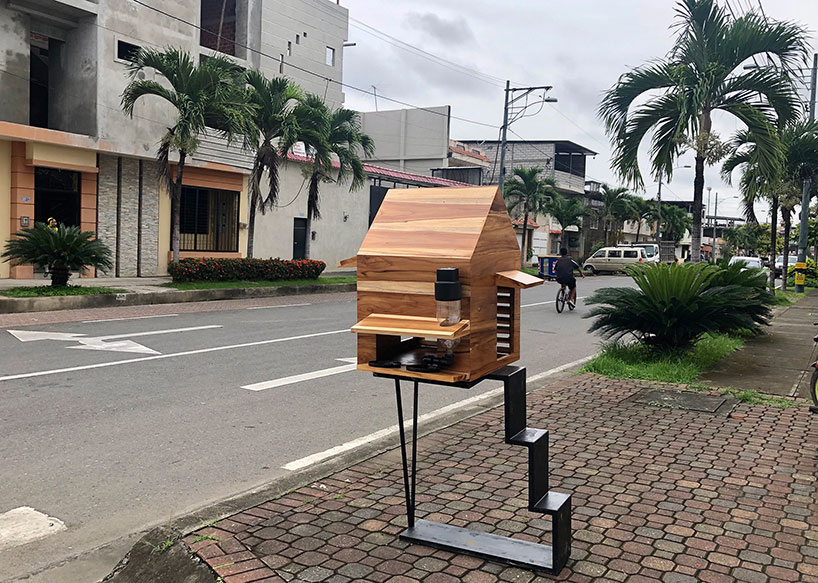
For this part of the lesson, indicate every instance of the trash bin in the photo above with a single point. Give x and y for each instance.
(547, 266)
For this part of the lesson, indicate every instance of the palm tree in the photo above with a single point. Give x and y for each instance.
(675, 223)
(527, 194)
(641, 210)
(327, 135)
(789, 197)
(615, 208)
(701, 74)
(797, 161)
(568, 212)
(208, 97)
(61, 250)
(275, 132)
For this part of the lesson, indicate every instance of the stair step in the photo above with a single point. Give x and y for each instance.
(528, 436)
(552, 503)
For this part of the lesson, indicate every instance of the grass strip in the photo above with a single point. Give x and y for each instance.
(69, 290)
(636, 361)
(786, 298)
(185, 285)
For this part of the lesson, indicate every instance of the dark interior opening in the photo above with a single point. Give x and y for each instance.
(219, 26)
(57, 195)
(38, 88)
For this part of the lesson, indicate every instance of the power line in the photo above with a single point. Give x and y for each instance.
(299, 68)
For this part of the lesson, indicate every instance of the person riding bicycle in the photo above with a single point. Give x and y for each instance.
(564, 269)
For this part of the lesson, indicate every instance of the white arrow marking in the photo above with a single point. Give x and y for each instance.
(119, 346)
(304, 377)
(99, 342)
(30, 336)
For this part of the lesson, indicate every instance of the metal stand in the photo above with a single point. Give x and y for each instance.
(508, 550)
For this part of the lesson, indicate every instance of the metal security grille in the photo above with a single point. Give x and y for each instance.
(209, 220)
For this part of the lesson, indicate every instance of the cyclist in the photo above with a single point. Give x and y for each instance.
(564, 269)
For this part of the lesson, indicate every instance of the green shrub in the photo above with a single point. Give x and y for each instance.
(60, 250)
(246, 269)
(675, 305)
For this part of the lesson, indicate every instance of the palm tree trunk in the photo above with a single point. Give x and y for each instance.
(312, 206)
(251, 228)
(773, 236)
(787, 216)
(176, 202)
(523, 253)
(59, 276)
(696, 228)
(638, 229)
(607, 223)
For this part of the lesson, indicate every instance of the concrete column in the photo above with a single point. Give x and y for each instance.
(22, 200)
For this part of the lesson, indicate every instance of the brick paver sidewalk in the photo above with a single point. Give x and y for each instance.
(659, 495)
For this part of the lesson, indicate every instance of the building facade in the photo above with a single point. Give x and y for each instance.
(68, 151)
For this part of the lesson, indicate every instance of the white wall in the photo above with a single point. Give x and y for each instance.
(335, 238)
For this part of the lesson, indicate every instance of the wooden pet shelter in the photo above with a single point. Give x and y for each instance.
(416, 232)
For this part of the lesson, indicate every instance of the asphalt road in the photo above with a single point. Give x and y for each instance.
(134, 422)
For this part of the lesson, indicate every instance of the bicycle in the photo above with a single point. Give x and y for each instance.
(813, 383)
(562, 299)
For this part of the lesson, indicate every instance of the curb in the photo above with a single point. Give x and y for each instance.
(48, 304)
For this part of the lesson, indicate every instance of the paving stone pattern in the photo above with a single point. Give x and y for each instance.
(659, 495)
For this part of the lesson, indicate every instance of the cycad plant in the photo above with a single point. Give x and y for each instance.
(674, 305)
(60, 250)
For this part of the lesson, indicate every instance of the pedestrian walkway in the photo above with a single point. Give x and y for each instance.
(659, 495)
(778, 361)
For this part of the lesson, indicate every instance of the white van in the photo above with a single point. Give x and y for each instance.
(613, 259)
(651, 250)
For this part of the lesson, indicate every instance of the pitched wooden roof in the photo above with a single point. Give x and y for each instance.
(432, 222)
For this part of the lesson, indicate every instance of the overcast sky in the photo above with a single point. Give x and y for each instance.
(578, 47)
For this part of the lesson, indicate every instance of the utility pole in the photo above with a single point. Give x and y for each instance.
(803, 231)
(709, 188)
(659, 216)
(713, 232)
(375, 94)
(516, 113)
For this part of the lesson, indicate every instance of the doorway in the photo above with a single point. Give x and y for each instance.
(57, 194)
(299, 238)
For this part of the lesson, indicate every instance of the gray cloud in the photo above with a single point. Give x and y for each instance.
(446, 32)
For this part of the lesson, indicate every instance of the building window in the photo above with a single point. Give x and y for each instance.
(298, 39)
(289, 48)
(594, 221)
(209, 220)
(126, 51)
(330, 56)
(572, 163)
(218, 32)
(281, 64)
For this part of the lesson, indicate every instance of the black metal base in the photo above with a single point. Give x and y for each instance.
(540, 498)
(518, 553)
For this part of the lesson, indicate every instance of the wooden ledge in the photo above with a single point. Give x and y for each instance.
(349, 262)
(516, 279)
(415, 326)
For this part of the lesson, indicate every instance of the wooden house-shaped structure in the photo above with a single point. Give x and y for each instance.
(416, 232)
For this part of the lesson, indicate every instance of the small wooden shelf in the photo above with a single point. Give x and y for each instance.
(415, 326)
(444, 376)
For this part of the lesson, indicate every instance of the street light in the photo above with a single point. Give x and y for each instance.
(715, 221)
(659, 209)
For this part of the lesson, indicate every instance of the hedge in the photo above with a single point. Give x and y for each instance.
(244, 269)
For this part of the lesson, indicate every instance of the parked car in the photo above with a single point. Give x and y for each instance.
(613, 259)
(779, 263)
(651, 250)
(751, 262)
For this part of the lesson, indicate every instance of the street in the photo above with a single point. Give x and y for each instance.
(117, 425)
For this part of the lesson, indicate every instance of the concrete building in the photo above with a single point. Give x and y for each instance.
(412, 140)
(68, 151)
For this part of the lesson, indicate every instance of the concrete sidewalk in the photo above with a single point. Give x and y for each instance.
(132, 284)
(778, 361)
(660, 494)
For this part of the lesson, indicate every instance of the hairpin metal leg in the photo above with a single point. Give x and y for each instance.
(409, 491)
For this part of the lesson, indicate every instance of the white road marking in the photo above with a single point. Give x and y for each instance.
(28, 375)
(32, 336)
(132, 318)
(282, 306)
(545, 303)
(307, 376)
(99, 342)
(333, 451)
(24, 524)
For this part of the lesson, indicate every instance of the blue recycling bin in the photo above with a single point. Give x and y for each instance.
(547, 266)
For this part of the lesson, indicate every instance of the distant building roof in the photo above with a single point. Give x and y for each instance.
(519, 223)
(469, 154)
(562, 145)
(397, 175)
